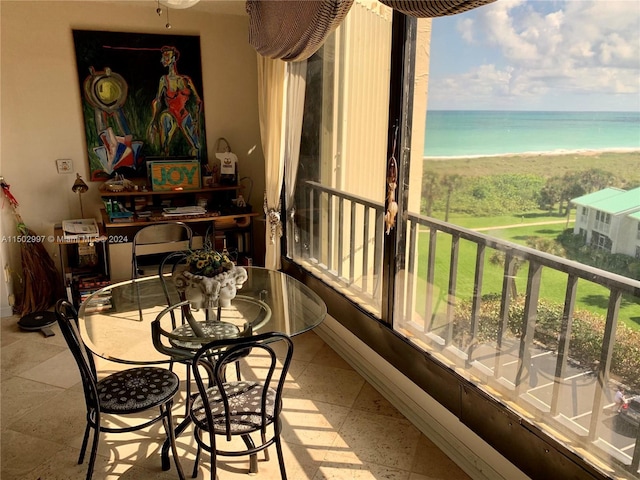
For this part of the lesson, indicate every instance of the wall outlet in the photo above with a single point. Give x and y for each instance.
(64, 165)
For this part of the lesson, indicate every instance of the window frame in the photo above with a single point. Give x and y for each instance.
(495, 423)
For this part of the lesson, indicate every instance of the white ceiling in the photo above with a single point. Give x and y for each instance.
(227, 7)
(220, 7)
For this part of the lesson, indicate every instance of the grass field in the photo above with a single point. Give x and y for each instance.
(485, 223)
(589, 297)
(517, 228)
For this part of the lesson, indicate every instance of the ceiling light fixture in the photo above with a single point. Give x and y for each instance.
(177, 4)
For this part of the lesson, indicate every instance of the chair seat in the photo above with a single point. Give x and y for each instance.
(244, 403)
(136, 389)
(213, 330)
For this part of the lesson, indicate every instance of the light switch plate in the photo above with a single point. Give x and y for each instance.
(64, 165)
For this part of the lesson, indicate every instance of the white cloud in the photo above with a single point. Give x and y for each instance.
(465, 27)
(589, 46)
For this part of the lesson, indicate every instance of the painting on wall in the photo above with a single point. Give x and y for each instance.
(141, 98)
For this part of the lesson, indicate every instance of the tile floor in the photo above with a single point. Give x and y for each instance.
(335, 426)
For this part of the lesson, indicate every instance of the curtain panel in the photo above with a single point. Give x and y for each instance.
(281, 88)
(285, 33)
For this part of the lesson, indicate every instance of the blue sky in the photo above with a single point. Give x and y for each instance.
(576, 55)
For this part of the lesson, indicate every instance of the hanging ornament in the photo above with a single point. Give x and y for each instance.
(273, 221)
(392, 184)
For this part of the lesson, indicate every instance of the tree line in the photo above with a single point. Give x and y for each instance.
(503, 194)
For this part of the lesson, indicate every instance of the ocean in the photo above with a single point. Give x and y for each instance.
(457, 133)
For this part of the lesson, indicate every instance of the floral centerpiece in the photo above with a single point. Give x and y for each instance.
(208, 262)
(214, 274)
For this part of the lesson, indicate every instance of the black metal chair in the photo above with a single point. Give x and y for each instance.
(157, 239)
(178, 319)
(245, 408)
(122, 393)
(166, 270)
(173, 236)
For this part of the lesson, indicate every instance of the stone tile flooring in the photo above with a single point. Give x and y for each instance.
(335, 425)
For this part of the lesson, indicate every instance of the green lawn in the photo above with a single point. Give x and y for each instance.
(589, 297)
(475, 222)
(521, 226)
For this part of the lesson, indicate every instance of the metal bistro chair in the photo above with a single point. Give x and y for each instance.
(167, 268)
(177, 323)
(174, 336)
(245, 407)
(126, 392)
(169, 265)
(156, 239)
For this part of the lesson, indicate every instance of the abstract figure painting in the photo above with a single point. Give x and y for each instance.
(141, 97)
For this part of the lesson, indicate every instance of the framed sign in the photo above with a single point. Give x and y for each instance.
(141, 96)
(174, 174)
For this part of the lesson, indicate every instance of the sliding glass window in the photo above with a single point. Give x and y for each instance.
(519, 272)
(336, 228)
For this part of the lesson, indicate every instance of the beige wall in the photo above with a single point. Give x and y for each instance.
(41, 116)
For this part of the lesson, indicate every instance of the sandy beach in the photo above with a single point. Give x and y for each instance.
(624, 163)
(553, 153)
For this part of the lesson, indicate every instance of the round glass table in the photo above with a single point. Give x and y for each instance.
(268, 301)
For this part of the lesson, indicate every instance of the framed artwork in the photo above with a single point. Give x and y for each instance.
(141, 97)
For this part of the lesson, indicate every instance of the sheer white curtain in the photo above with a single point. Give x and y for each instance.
(297, 84)
(281, 88)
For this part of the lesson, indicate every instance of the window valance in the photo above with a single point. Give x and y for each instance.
(433, 8)
(295, 29)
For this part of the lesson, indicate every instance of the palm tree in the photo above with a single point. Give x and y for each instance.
(450, 182)
(551, 194)
(499, 258)
(430, 184)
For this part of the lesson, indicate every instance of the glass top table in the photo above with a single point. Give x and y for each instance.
(111, 326)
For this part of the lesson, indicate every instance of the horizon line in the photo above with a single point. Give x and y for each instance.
(527, 111)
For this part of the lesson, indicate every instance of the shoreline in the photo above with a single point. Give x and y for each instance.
(549, 153)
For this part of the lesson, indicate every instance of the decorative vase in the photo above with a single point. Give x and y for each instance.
(214, 291)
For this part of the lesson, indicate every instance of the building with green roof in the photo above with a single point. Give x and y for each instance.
(610, 219)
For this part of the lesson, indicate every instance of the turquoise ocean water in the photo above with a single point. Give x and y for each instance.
(459, 133)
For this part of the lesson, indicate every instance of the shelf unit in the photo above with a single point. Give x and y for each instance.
(84, 265)
(228, 224)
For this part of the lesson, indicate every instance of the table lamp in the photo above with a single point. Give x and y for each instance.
(79, 187)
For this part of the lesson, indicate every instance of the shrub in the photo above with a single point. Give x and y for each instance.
(587, 332)
(578, 250)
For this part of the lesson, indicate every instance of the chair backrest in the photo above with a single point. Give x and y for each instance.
(160, 238)
(68, 322)
(167, 232)
(168, 267)
(164, 340)
(270, 353)
(168, 340)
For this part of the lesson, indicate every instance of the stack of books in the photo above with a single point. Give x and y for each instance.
(183, 211)
(99, 303)
(86, 286)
